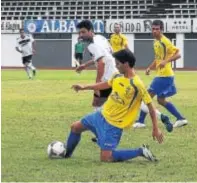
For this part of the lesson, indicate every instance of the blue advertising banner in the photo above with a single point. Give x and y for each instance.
(61, 26)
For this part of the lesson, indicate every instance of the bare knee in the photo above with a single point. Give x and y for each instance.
(106, 156)
(161, 101)
(77, 127)
(151, 94)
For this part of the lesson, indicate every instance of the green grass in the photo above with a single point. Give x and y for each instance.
(36, 112)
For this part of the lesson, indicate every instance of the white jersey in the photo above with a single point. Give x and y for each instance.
(100, 47)
(25, 45)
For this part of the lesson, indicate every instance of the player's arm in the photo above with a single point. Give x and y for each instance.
(175, 57)
(100, 73)
(146, 98)
(125, 42)
(97, 86)
(172, 50)
(100, 69)
(150, 67)
(17, 49)
(85, 65)
(156, 133)
(126, 46)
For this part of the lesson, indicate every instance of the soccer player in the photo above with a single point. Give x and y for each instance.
(79, 48)
(118, 113)
(163, 85)
(118, 41)
(101, 52)
(26, 46)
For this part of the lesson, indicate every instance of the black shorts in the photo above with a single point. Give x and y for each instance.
(79, 56)
(105, 93)
(27, 59)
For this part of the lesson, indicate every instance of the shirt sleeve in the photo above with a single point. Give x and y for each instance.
(115, 75)
(125, 41)
(171, 49)
(146, 98)
(96, 52)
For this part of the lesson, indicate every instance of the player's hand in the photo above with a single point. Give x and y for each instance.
(80, 68)
(157, 135)
(147, 71)
(77, 87)
(163, 63)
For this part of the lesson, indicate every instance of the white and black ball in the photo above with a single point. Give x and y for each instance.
(56, 149)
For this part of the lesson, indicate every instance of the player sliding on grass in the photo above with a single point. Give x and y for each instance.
(119, 112)
(163, 84)
(101, 52)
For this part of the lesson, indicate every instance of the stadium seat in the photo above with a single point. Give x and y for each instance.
(97, 9)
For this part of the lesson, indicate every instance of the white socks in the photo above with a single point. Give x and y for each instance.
(28, 71)
(31, 66)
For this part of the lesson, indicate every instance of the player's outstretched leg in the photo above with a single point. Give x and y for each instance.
(126, 154)
(181, 121)
(74, 138)
(165, 119)
(27, 69)
(30, 65)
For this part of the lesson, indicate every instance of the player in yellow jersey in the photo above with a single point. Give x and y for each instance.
(118, 40)
(119, 112)
(163, 84)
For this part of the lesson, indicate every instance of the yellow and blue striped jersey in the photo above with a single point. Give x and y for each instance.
(163, 50)
(124, 102)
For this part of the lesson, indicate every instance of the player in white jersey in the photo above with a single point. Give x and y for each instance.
(26, 46)
(101, 52)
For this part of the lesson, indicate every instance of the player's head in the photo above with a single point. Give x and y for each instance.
(117, 28)
(86, 30)
(124, 59)
(22, 32)
(157, 28)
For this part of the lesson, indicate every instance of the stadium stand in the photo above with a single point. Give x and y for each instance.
(97, 9)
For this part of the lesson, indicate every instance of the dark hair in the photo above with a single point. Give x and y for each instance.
(124, 56)
(87, 24)
(158, 23)
(21, 29)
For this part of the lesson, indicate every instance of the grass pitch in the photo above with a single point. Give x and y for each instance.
(36, 112)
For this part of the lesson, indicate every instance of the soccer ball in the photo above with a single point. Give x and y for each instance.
(56, 149)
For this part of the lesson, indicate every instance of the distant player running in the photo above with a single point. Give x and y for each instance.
(26, 46)
(119, 112)
(163, 84)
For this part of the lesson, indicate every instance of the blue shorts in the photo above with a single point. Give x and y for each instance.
(163, 86)
(108, 136)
